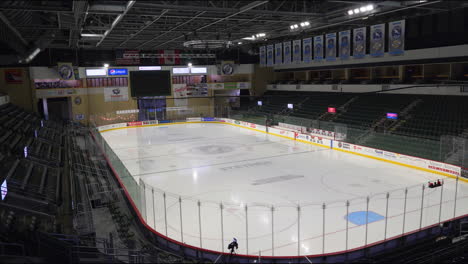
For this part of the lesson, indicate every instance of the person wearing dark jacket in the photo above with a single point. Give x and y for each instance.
(233, 245)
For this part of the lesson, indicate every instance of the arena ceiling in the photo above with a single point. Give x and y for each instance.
(146, 25)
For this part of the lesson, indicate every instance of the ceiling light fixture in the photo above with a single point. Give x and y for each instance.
(361, 9)
(89, 35)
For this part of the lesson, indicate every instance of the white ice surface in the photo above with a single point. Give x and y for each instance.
(217, 163)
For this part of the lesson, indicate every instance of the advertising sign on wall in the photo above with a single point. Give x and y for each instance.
(117, 72)
(65, 70)
(14, 76)
(115, 94)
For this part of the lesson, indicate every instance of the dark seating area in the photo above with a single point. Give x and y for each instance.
(422, 119)
(31, 166)
(369, 108)
(436, 116)
(318, 103)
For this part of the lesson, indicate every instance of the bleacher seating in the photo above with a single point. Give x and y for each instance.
(423, 119)
(317, 104)
(436, 116)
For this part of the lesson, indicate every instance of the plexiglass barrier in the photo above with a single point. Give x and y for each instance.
(286, 229)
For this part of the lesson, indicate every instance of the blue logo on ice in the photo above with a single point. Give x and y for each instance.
(359, 218)
(208, 119)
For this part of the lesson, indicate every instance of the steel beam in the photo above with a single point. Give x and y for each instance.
(117, 20)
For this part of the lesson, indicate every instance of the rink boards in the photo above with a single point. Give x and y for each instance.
(324, 140)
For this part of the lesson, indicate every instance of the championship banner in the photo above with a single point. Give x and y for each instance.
(344, 44)
(269, 55)
(287, 52)
(65, 70)
(359, 43)
(278, 53)
(262, 56)
(396, 39)
(377, 40)
(297, 51)
(331, 46)
(307, 50)
(318, 48)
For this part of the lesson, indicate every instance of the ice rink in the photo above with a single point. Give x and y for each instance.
(207, 183)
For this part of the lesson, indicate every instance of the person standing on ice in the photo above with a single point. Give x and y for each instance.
(233, 245)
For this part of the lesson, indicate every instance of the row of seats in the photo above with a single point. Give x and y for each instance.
(361, 81)
(30, 164)
(422, 120)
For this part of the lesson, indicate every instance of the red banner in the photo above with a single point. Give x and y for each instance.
(139, 123)
(14, 76)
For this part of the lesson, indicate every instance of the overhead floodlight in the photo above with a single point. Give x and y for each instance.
(350, 12)
(239, 43)
(189, 64)
(302, 24)
(370, 7)
(106, 65)
(92, 35)
(363, 9)
(356, 11)
(249, 38)
(295, 26)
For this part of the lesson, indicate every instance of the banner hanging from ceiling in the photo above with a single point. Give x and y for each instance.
(262, 56)
(307, 50)
(278, 53)
(169, 60)
(359, 43)
(377, 40)
(396, 39)
(297, 51)
(330, 47)
(270, 55)
(344, 44)
(318, 48)
(127, 57)
(287, 52)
